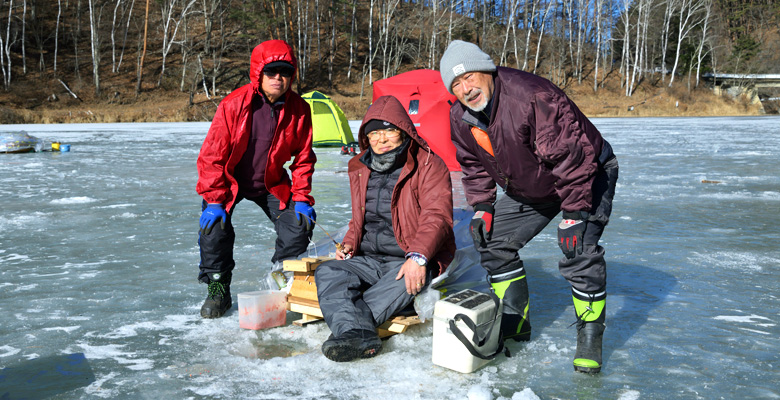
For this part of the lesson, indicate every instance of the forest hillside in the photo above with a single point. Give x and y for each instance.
(173, 60)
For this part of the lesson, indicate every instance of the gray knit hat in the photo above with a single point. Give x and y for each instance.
(461, 57)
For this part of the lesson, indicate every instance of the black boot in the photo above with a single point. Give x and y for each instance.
(355, 343)
(590, 311)
(218, 300)
(512, 288)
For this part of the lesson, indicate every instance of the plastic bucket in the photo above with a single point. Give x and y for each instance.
(64, 148)
(262, 309)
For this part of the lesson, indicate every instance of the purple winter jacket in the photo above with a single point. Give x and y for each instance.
(545, 148)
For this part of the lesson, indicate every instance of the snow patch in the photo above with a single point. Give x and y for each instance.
(525, 394)
(66, 329)
(74, 200)
(629, 395)
(744, 318)
(8, 351)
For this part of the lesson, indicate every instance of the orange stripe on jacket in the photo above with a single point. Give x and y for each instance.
(482, 139)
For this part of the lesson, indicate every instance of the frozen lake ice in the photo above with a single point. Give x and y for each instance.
(99, 299)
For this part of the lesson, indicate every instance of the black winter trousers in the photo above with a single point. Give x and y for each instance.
(516, 222)
(361, 292)
(216, 248)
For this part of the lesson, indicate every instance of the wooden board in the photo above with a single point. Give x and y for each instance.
(310, 309)
(306, 264)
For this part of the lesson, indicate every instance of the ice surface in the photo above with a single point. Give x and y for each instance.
(98, 256)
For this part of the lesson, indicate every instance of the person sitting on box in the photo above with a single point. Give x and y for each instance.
(400, 235)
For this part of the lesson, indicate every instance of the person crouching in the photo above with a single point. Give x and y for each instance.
(399, 238)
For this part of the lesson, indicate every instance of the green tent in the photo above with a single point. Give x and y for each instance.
(329, 123)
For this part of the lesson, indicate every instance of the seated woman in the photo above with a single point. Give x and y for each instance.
(400, 235)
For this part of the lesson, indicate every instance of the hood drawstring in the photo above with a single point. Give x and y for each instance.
(428, 157)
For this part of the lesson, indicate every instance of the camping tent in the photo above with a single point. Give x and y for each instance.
(329, 124)
(428, 103)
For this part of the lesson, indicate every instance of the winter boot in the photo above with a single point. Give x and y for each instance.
(355, 343)
(590, 310)
(512, 288)
(218, 300)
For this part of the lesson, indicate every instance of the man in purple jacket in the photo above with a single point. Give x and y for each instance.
(520, 131)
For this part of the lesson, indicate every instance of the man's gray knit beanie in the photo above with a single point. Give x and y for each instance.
(461, 57)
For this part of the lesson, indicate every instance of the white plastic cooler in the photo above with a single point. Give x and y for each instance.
(448, 351)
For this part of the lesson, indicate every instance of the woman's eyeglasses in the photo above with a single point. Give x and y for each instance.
(389, 134)
(282, 71)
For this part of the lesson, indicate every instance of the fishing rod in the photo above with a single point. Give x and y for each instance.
(339, 246)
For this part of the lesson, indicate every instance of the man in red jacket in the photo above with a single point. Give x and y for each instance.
(520, 131)
(256, 130)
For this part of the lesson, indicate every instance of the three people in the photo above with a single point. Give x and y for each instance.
(257, 129)
(510, 128)
(521, 132)
(399, 237)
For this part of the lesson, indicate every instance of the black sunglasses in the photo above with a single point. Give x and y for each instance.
(282, 71)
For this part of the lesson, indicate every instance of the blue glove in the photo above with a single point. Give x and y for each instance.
(211, 214)
(303, 208)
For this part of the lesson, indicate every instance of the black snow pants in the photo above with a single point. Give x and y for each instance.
(516, 222)
(361, 292)
(216, 248)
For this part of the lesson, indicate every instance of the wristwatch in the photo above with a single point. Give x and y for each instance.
(419, 259)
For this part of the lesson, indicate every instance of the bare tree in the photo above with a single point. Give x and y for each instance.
(5, 49)
(143, 53)
(510, 24)
(542, 24)
(704, 38)
(352, 38)
(597, 11)
(24, 37)
(170, 28)
(688, 9)
(57, 34)
(529, 19)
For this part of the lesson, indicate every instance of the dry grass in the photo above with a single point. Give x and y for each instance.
(116, 104)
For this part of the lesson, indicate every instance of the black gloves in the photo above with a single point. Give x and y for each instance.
(570, 232)
(481, 226)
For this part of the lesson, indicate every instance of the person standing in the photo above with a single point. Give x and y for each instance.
(257, 129)
(521, 132)
(399, 237)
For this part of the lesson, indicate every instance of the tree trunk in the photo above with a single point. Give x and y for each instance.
(352, 39)
(57, 34)
(541, 33)
(143, 52)
(699, 56)
(24, 39)
(94, 45)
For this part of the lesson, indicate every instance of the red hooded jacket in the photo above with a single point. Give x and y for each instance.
(422, 198)
(229, 134)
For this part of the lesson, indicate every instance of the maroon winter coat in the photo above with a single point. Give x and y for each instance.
(422, 198)
(231, 128)
(545, 148)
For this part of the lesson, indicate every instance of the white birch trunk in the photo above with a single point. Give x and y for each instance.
(541, 33)
(94, 44)
(351, 40)
(700, 56)
(598, 45)
(24, 40)
(687, 11)
(529, 29)
(57, 34)
(510, 24)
